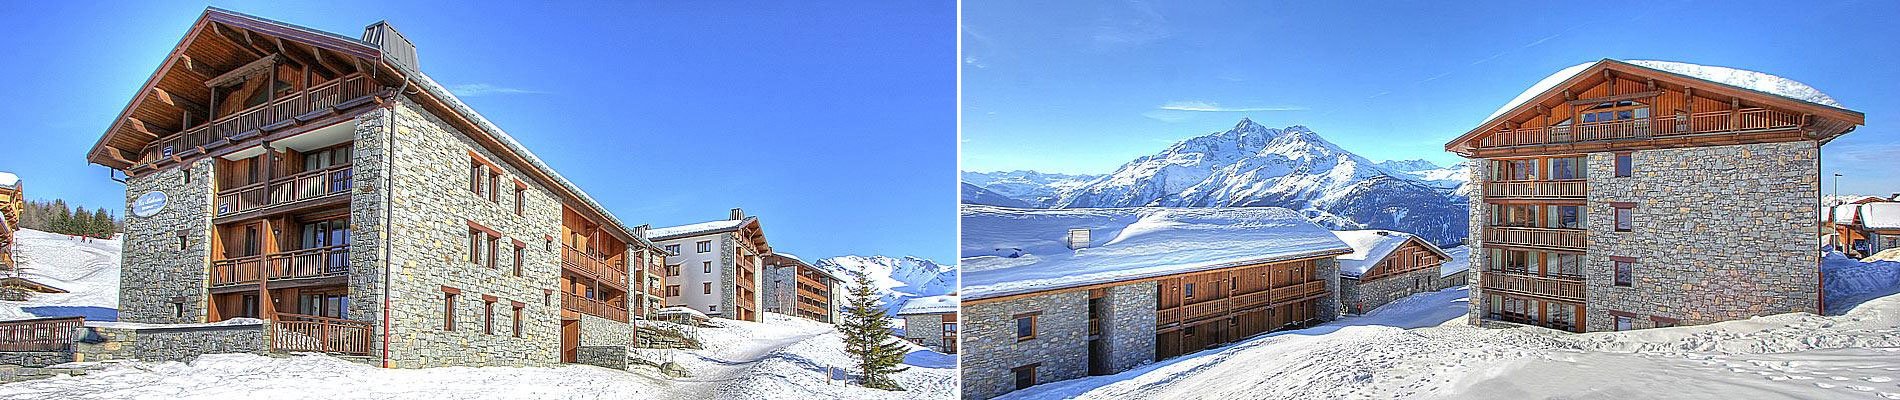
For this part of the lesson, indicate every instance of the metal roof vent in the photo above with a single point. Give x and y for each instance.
(396, 48)
(1078, 238)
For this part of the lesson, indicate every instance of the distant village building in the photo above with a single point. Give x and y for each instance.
(324, 184)
(795, 288)
(1866, 226)
(714, 267)
(931, 322)
(1619, 195)
(1385, 266)
(1060, 294)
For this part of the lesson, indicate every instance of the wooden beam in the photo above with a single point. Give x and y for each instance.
(143, 127)
(304, 59)
(1611, 98)
(264, 64)
(218, 30)
(179, 102)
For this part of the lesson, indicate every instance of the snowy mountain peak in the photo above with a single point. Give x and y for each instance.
(1409, 165)
(897, 278)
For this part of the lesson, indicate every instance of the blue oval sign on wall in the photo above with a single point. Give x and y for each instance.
(148, 204)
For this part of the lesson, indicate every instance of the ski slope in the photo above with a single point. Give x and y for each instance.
(88, 271)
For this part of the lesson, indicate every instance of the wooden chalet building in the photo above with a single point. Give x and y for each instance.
(324, 184)
(1056, 294)
(12, 203)
(1385, 266)
(715, 267)
(1630, 194)
(795, 288)
(1866, 226)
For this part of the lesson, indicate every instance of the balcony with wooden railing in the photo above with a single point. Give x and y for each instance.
(1657, 126)
(1241, 302)
(1570, 239)
(321, 262)
(304, 186)
(317, 101)
(1556, 287)
(1538, 189)
(298, 332)
(39, 334)
(584, 305)
(594, 266)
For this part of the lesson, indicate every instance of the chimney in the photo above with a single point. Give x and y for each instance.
(1078, 238)
(1385, 233)
(640, 232)
(736, 214)
(396, 48)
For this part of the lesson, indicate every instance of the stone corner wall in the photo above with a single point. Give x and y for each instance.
(925, 330)
(1359, 297)
(156, 275)
(990, 349)
(1328, 307)
(1129, 324)
(1480, 173)
(1720, 233)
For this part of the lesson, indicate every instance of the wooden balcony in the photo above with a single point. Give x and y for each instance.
(318, 101)
(1241, 302)
(1659, 126)
(40, 334)
(1570, 239)
(305, 186)
(298, 332)
(322, 262)
(1558, 288)
(584, 305)
(594, 266)
(1551, 189)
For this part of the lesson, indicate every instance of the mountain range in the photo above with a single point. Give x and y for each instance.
(898, 279)
(1251, 165)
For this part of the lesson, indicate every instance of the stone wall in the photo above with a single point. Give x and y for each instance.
(1480, 173)
(1362, 296)
(1328, 307)
(597, 331)
(163, 343)
(781, 289)
(1720, 233)
(925, 330)
(1128, 325)
(990, 348)
(33, 359)
(430, 207)
(157, 276)
(1456, 279)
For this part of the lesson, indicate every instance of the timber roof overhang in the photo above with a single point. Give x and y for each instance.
(1842, 120)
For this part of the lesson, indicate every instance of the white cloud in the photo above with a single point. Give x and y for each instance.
(1208, 106)
(482, 89)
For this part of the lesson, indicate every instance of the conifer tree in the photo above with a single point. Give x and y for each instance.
(867, 336)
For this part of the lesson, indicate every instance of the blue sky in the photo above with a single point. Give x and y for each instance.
(834, 122)
(1082, 87)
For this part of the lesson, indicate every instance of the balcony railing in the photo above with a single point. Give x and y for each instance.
(298, 332)
(597, 308)
(1562, 288)
(1214, 308)
(296, 264)
(303, 186)
(246, 123)
(1574, 188)
(594, 266)
(1653, 127)
(41, 334)
(1540, 237)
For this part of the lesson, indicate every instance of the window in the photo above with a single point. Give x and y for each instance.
(1514, 170)
(1623, 165)
(672, 290)
(707, 266)
(178, 309)
(1567, 168)
(706, 286)
(476, 238)
(494, 245)
(1189, 291)
(703, 246)
(521, 200)
(1568, 217)
(1623, 323)
(1625, 271)
(183, 241)
(475, 172)
(547, 297)
(1025, 326)
(713, 308)
(1625, 217)
(673, 270)
(517, 318)
(494, 178)
(520, 251)
(448, 308)
(1025, 376)
(488, 315)
(1662, 322)
(673, 249)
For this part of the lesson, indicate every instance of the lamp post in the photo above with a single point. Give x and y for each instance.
(1837, 189)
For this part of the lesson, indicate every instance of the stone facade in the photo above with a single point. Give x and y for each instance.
(604, 342)
(1128, 325)
(1358, 296)
(33, 359)
(167, 256)
(1059, 349)
(781, 289)
(1720, 233)
(925, 330)
(1480, 172)
(167, 343)
(1327, 308)
(430, 212)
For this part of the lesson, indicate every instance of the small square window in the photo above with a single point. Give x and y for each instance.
(707, 266)
(1025, 376)
(1624, 323)
(1625, 219)
(1623, 165)
(1025, 327)
(707, 287)
(704, 246)
(673, 249)
(1188, 290)
(1625, 272)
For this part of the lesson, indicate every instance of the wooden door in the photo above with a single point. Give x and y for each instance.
(570, 339)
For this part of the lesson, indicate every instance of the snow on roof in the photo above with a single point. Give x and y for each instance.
(678, 310)
(930, 305)
(1012, 251)
(690, 229)
(1745, 79)
(1882, 215)
(1371, 246)
(1460, 261)
(1844, 214)
(8, 179)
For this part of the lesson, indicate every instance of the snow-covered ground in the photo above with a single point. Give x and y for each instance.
(1420, 347)
(88, 271)
(782, 358)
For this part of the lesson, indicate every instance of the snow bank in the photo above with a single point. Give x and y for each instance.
(929, 305)
(1847, 282)
(1010, 251)
(88, 271)
(1744, 79)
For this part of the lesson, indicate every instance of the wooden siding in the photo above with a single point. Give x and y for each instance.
(1233, 303)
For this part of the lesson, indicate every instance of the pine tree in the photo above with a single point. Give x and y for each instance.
(101, 223)
(61, 220)
(867, 336)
